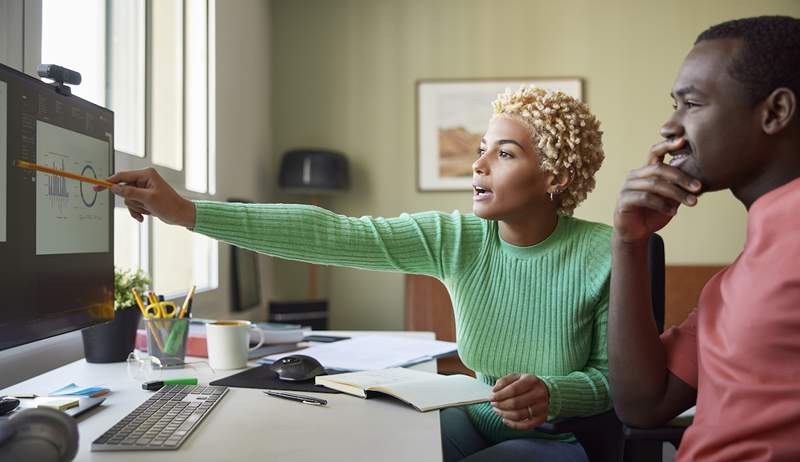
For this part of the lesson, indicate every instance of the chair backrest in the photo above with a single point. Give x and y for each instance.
(602, 435)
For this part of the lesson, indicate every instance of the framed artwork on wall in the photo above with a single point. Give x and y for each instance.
(451, 118)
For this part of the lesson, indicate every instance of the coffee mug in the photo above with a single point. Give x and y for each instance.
(228, 343)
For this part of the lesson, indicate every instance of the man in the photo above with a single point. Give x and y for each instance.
(736, 126)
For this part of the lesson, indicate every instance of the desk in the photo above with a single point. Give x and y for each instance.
(250, 426)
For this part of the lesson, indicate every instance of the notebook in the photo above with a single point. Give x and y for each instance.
(425, 391)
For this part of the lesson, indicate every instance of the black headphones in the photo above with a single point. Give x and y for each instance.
(38, 434)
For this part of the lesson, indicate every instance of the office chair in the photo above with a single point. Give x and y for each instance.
(603, 436)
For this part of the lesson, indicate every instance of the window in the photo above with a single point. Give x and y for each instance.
(148, 61)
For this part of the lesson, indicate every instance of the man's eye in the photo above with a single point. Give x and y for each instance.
(674, 106)
(690, 104)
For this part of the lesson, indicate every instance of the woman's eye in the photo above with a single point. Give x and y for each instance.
(481, 151)
(503, 154)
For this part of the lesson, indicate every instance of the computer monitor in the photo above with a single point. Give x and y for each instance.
(56, 234)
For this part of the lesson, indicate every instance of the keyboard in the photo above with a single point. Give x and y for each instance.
(164, 421)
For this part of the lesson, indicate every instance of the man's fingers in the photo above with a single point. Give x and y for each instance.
(659, 150)
(666, 173)
(644, 199)
(663, 188)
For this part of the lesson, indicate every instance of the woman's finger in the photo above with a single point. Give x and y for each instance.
(505, 381)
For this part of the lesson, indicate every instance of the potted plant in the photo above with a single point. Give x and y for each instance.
(114, 340)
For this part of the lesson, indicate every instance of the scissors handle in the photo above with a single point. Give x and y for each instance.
(166, 310)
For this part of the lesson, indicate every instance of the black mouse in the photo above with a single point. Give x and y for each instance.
(7, 405)
(297, 368)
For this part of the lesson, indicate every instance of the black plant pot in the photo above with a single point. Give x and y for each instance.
(113, 341)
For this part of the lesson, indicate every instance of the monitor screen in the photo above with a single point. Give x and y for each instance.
(56, 234)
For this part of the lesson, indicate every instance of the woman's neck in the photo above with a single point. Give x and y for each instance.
(529, 231)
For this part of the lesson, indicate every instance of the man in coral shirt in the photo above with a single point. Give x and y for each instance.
(736, 126)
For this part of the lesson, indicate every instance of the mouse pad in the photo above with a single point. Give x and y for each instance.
(264, 378)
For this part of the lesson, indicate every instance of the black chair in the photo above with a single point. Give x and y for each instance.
(603, 436)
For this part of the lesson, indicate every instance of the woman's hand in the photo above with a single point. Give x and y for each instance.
(521, 400)
(651, 195)
(146, 193)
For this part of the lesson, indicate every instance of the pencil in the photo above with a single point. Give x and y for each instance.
(186, 302)
(52, 171)
(139, 302)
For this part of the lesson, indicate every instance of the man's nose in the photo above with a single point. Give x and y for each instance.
(672, 128)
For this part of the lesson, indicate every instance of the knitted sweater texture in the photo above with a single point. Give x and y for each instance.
(540, 309)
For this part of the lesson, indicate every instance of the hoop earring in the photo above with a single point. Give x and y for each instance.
(551, 196)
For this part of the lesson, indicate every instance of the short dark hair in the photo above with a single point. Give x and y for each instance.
(769, 57)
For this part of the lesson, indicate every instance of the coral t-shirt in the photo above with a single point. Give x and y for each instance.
(741, 346)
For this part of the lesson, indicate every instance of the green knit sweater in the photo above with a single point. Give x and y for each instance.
(540, 309)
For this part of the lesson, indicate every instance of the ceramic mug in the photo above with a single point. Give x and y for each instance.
(228, 343)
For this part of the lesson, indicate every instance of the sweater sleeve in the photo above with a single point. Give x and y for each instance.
(586, 391)
(431, 243)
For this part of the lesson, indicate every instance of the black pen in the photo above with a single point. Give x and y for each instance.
(299, 398)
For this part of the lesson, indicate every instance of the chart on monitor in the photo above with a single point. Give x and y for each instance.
(68, 212)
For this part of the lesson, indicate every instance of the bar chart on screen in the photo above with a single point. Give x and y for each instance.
(67, 211)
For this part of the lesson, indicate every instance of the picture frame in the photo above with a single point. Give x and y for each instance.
(452, 116)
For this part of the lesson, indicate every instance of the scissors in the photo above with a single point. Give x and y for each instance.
(166, 310)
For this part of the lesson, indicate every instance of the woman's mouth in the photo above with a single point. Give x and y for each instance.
(481, 193)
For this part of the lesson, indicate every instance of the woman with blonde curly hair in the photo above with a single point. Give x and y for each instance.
(529, 283)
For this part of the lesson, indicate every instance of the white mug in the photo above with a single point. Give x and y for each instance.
(228, 343)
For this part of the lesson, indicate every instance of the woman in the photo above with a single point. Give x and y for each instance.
(529, 283)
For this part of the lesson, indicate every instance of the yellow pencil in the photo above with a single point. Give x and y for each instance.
(139, 302)
(52, 171)
(186, 302)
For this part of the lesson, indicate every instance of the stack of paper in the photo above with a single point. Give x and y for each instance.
(75, 390)
(58, 403)
(374, 352)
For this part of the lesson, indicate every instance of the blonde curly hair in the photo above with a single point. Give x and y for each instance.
(566, 133)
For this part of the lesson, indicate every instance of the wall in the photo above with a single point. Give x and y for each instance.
(344, 75)
(242, 95)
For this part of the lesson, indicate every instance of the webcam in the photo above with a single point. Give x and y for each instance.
(60, 76)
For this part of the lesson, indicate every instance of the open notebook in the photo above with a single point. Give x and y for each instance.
(424, 390)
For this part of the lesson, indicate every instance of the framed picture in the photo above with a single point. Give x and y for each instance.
(452, 116)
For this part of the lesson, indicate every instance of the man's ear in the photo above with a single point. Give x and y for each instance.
(560, 181)
(780, 108)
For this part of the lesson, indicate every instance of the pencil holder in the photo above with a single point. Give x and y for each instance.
(166, 340)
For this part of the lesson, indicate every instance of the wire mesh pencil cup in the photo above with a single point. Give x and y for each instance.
(166, 339)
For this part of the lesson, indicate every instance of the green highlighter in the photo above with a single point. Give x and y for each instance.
(157, 384)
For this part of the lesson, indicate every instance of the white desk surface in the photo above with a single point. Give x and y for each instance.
(248, 425)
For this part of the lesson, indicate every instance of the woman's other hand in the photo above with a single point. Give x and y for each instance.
(521, 400)
(146, 193)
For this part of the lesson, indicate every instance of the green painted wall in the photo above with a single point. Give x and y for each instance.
(344, 73)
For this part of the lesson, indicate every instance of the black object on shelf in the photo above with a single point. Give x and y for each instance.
(314, 171)
(312, 313)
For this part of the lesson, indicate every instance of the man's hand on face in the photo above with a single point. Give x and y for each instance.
(651, 195)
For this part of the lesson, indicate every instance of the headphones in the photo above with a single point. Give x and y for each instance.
(38, 434)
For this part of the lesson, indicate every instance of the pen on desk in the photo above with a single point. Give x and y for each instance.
(299, 398)
(52, 171)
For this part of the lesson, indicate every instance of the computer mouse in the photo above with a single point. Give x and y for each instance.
(297, 368)
(7, 405)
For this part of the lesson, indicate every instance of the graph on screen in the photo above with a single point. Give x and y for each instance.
(70, 216)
